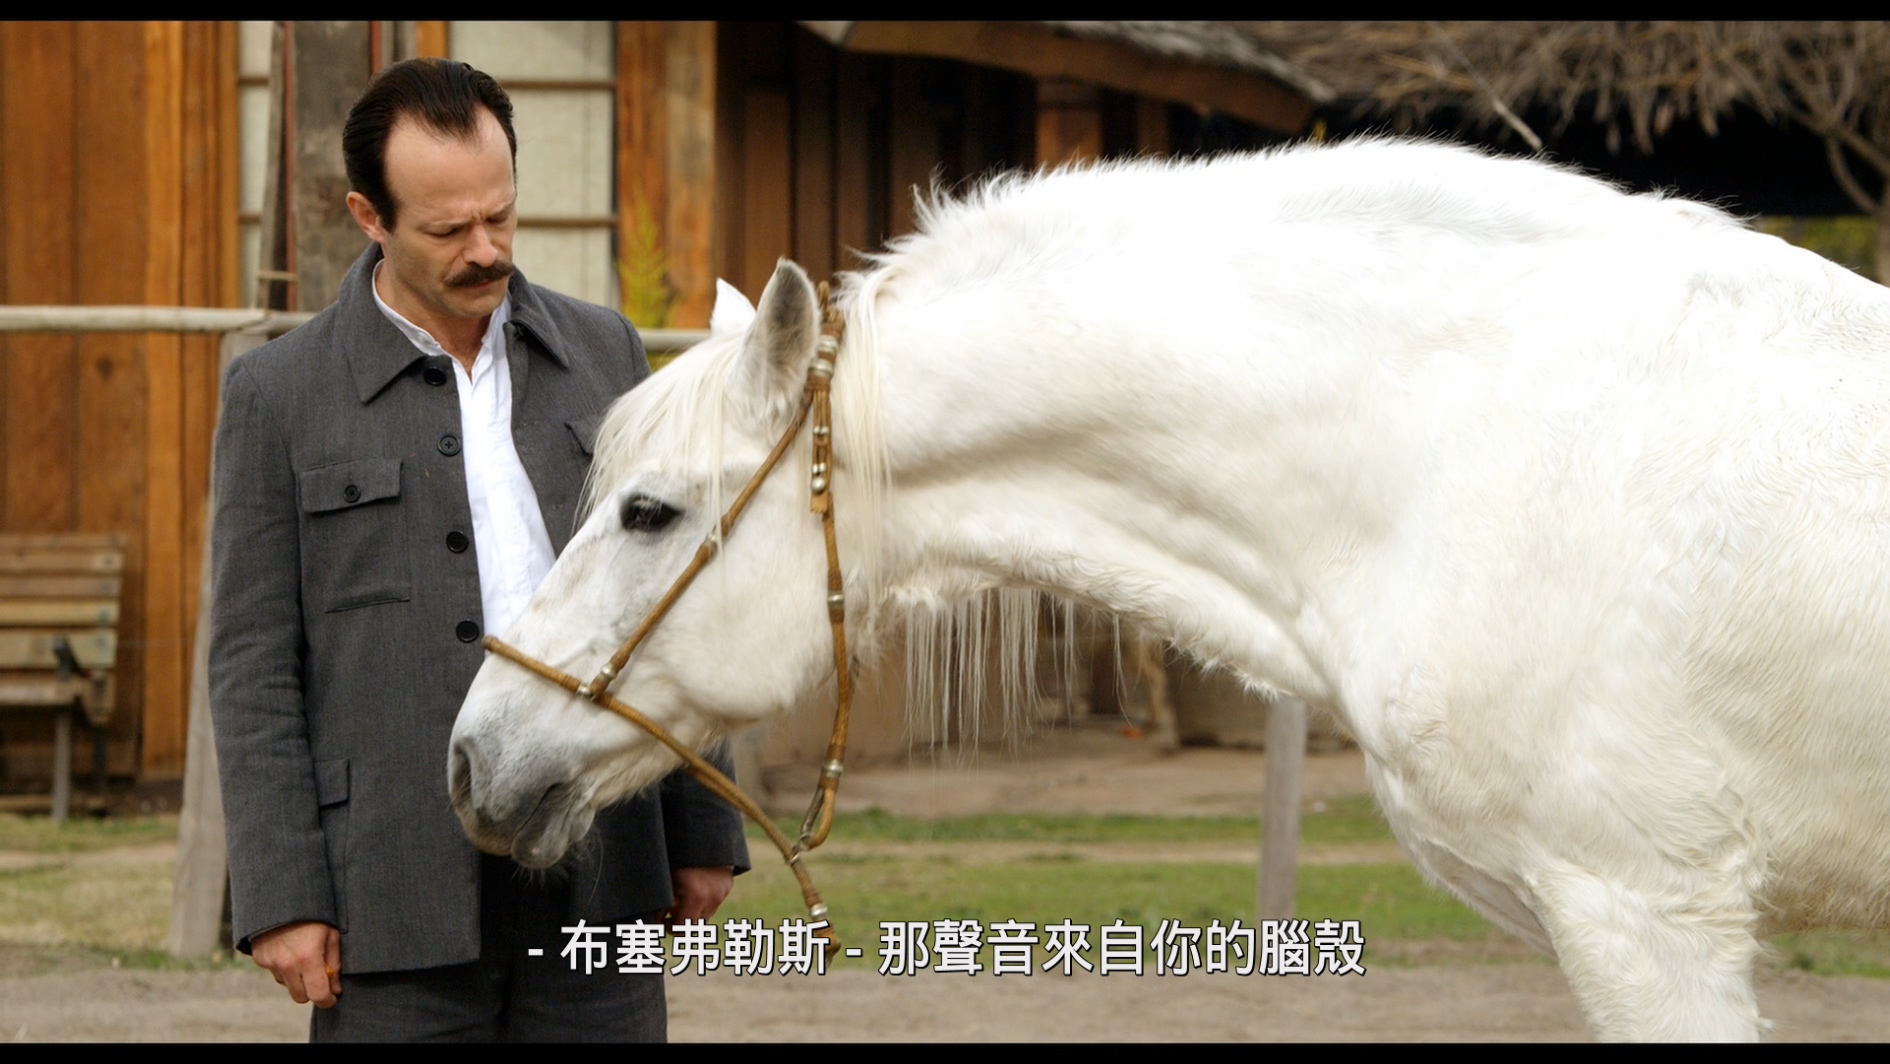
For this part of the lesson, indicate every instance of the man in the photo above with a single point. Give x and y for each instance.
(372, 524)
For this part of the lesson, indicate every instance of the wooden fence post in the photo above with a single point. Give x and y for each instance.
(1279, 846)
(202, 879)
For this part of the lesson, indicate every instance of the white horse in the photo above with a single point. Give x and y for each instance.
(1573, 506)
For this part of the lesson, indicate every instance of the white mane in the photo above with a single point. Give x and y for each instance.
(1022, 225)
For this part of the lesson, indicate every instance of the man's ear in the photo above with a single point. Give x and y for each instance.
(366, 217)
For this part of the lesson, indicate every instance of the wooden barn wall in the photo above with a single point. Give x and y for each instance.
(818, 149)
(117, 185)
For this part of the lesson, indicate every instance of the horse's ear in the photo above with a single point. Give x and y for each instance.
(733, 312)
(781, 340)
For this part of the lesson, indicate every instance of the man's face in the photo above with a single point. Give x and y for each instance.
(450, 250)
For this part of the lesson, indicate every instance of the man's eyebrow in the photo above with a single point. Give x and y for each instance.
(449, 225)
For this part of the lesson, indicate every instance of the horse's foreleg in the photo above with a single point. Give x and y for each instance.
(1650, 968)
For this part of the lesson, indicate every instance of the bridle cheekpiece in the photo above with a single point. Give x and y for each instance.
(817, 404)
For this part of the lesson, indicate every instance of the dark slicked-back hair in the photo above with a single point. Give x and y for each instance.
(442, 95)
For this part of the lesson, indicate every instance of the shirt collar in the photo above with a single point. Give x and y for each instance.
(372, 341)
(491, 347)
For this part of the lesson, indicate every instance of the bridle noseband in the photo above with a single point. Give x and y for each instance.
(817, 403)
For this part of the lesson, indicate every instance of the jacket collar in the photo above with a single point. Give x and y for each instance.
(376, 350)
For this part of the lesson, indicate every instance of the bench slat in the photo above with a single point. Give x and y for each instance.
(74, 587)
(40, 689)
(61, 541)
(34, 650)
(49, 560)
(78, 613)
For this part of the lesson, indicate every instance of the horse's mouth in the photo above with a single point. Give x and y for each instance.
(536, 836)
(555, 823)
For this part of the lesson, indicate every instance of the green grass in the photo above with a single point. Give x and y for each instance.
(38, 834)
(1391, 901)
(119, 908)
(1343, 820)
(1848, 240)
(1864, 953)
(69, 910)
(1408, 920)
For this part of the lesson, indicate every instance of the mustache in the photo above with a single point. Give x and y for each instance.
(473, 275)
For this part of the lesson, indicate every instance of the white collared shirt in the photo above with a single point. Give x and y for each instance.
(508, 532)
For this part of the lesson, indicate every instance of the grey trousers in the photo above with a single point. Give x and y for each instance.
(505, 996)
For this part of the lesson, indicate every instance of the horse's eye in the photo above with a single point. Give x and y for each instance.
(644, 514)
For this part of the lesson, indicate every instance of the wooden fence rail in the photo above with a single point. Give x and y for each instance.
(197, 901)
(197, 893)
(209, 320)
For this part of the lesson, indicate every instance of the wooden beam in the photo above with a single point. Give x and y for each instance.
(331, 61)
(211, 195)
(12, 95)
(165, 643)
(1042, 53)
(767, 202)
(202, 873)
(643, 170)
(37, 142)
(1069, 122)
(727, 216)
(138, 318)
(913, 152)
(201, 882)
(689, 220)
(813, 193)
(431, 40)
(272, 257)
(1151, 126)
(859, 191)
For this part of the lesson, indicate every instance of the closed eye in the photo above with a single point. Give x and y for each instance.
(644, 514)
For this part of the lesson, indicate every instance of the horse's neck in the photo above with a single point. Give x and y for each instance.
(1189, 468)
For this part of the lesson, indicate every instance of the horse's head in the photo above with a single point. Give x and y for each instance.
(531, 763)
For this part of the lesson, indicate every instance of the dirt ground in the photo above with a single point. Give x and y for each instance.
(1089, 770)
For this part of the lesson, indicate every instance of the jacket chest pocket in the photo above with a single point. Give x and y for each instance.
(354, 543)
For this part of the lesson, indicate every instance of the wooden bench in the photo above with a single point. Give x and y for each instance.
(59, 638)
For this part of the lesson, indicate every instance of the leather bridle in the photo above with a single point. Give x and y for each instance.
(816, 402)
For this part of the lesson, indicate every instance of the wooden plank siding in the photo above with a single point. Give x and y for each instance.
(689, 219)
(667, 157)
(822, 149)
(117, 186)
(860, 186)
(431, 40)
(813, 190)
(119, 182)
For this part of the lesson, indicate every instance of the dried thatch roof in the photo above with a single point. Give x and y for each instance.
(1833, 77)
(1211, 66)
(1206, 43)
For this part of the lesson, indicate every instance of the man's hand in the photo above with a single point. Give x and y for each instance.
(306, 958)
(699, 891)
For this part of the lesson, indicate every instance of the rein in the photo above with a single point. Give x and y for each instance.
(816, 402)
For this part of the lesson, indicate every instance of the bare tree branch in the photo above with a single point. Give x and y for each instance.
(1841, 169)
(1644, 76)
(1496, 102)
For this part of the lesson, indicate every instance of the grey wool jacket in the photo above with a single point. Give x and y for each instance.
(346, 618)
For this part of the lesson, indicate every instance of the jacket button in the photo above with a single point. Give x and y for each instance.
(468, 631)
(351, 493)
(434, 375)
(456, 542)
(449, 445)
